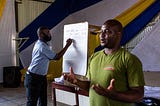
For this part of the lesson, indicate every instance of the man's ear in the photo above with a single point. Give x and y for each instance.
(119, 34)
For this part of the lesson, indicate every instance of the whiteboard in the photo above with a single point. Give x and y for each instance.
(76, 55)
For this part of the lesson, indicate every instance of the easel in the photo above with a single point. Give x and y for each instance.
(19, 43)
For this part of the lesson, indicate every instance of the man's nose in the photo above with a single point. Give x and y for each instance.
(104, 35)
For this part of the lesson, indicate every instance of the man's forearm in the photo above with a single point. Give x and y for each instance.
(128, 96)
(61, 53)
(83, 84)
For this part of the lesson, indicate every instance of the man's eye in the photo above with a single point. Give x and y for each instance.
(107, 31)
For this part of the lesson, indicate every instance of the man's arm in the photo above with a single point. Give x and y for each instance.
(134, 94)
(83, 84)
(61, 53)
(71, 77)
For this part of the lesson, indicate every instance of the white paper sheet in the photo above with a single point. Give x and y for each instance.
(76, 55)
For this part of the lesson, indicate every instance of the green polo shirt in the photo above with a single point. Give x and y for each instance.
(123, 66)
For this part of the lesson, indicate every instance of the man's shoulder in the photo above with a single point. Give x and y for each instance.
(129, 55)
(40, 43)
(126, 52)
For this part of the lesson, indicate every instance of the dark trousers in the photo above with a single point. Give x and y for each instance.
(36, 89)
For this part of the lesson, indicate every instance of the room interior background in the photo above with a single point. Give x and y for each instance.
(18, 14)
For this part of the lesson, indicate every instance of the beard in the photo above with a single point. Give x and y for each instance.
(108, 45)
(46, 37)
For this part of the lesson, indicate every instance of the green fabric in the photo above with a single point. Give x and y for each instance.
(124, 67)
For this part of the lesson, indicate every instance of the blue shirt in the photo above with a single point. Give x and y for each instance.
(41, 55)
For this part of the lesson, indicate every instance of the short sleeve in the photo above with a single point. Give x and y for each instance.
(48, 52)
(135, 72)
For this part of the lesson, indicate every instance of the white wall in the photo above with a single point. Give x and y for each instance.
(148, 50)
(7, 33)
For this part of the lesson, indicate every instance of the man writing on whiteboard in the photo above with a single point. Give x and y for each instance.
(116, 76)
(35, 78)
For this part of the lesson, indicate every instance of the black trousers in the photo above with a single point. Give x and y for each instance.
(36, 89)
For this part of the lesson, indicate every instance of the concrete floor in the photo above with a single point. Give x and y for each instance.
(17, 97)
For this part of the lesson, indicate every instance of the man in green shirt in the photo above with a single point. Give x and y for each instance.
(116, 76)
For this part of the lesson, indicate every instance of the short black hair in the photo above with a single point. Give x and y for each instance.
(43, 27)
(114, 22)
(40, 29)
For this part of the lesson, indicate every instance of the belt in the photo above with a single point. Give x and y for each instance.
(35, 75)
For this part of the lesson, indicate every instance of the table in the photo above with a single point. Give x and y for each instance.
(72, 89)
